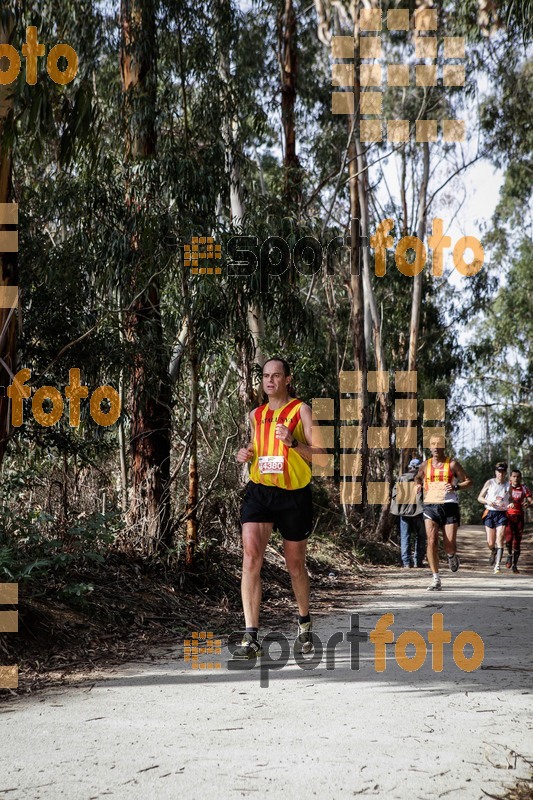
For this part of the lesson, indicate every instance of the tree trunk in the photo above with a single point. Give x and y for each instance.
(230, 127)
(383, 526)
(417, 286)
(357, 318)
(288, 62)
(8, 261)
(149, 391)
(192, 497)
(191, 537)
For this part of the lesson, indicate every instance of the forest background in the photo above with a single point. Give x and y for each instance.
(214, 119)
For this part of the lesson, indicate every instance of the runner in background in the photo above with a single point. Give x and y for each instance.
(495, 496)
(520, 498)
(411, 521)
(442, 477)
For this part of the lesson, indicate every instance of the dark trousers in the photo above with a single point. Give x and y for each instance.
(412, 528)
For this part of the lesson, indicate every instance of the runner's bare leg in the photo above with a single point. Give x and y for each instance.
(295, 560)
(255, 536)
(491, 537)
(500, 533)
(450, 538)
(432, 533)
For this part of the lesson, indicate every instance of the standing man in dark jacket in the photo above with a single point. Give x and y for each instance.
(411, 520)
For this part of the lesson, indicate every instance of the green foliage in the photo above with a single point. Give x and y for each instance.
(82, 206)
(34, 547)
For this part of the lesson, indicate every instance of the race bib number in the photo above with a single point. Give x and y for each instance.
(271, 464)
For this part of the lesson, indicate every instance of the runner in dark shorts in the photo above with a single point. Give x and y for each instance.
(495, 496)
(290, 512)
(277, 495)
(445, 514)
(441, 478)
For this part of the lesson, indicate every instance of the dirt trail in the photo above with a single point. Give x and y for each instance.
(168, 731)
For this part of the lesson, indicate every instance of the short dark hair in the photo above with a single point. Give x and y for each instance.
(516, 471)
(286, 367)
(286, 371)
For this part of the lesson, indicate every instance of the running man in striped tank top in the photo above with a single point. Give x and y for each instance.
(441, 477)
(277, 495)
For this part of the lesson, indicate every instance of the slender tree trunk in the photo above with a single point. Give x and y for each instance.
(178, 351)
(8, 261)
(357, 287)
(357, 319)
(230, 130)
(149, 390)
(288, 62)
(121, 432)
(379, 352)
(403, 194)
(222, 15)
(256, 326)
(417, 285)
(192, 496)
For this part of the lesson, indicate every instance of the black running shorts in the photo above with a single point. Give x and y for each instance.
(495, 518)
(291, 510)
(444, 513)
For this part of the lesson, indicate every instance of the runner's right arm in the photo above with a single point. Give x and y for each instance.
(483, 492)
(419, 477)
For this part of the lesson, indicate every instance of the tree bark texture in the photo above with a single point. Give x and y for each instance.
(416, 299)
(8, 261)
(288, 62)
(149, 389)
(357, 318)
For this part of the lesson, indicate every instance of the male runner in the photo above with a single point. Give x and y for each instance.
(441, 477)
(278, 494)
(520, 496)
(495, 495)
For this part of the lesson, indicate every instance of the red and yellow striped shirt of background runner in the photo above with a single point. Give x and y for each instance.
(296, 471)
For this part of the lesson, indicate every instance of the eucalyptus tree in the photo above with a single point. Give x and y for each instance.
(8, 261)
(43, 125)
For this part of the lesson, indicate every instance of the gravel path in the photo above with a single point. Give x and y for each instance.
(168, 731)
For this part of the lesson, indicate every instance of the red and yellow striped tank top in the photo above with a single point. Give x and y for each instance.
(437, 474)
(288, 469)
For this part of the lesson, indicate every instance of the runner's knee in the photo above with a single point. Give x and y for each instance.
(295, 567)
(252, 559)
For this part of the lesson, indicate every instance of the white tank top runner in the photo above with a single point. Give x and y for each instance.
(497, 491)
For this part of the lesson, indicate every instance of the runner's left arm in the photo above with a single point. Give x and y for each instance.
(463, 480)
(314, 452)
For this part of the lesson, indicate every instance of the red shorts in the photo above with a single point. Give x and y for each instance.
(515, 527)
